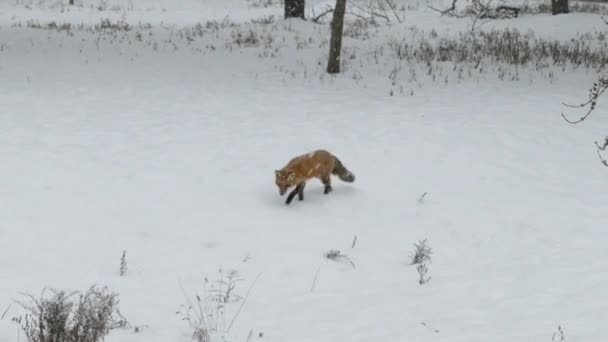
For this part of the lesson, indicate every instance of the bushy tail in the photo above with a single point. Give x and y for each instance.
(342, 172)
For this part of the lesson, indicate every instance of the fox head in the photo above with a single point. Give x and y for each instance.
(284, 180)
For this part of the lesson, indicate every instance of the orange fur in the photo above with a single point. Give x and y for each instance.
(318, 164)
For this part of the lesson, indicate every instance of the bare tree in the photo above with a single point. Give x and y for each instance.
(335, 43)
(294, 8)
(559, 7)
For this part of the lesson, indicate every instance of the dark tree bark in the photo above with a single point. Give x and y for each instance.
(294, 8)
(559, 6)
(335, 43)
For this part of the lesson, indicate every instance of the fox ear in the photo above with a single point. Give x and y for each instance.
(292, 176)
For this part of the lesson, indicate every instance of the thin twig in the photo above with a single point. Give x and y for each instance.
(579, 120)
(369, 11)
(243, 302)
(421, 198)
(428, 326)
(5, 311)
(450, 10)
(314, 281)
(603, 146)
(328, 10)
(602, 159)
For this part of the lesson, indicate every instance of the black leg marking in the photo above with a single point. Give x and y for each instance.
(298, 190)
(291, 195)
(301, 191)
(327, 182)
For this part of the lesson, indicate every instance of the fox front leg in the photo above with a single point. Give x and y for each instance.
(301, 191)
(293, 193)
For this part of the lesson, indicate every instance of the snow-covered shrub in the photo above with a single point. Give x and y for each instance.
(61, 317)
(422, 253)
(265, 3)
(336, 255)
(420, 257)
(206, 314)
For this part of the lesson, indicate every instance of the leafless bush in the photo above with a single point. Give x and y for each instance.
(107, 24)
(559, 334)
(251, 38)
(206, 314)
(61, 318)
(265, 20)
(223, 291)
(358, 29)
(422, 253)
(336, 255)
(265, 3)
(510, 47)
(422, 273)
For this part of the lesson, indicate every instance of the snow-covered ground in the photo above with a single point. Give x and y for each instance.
(142, 142)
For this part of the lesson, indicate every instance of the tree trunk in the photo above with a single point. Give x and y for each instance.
(559, 6)
(72, 2)
(294, 8)
(335, 43)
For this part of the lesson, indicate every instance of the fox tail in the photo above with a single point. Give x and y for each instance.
(342, 172)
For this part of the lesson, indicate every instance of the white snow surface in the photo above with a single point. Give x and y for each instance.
(170, 155)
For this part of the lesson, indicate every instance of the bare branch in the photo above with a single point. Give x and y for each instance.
(449, 10)
(579, 120)
(243, 302)
(393, 8)
(599, 87)
(602, 159)
(328, 10)
(603, 146)
(369, 11)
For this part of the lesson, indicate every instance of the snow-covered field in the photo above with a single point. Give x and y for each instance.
(147, 142)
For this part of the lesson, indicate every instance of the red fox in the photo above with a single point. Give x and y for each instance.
(316, 164)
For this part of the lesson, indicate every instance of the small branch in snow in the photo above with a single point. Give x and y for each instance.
(602, 159)
(559, 334)
(5, 311)
(428, 326)
(421, 198)
(336, 255)
(423, 270)
(123, 263)
(314, 281)
(354, 242)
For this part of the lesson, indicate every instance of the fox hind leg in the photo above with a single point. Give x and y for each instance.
(326, 180)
